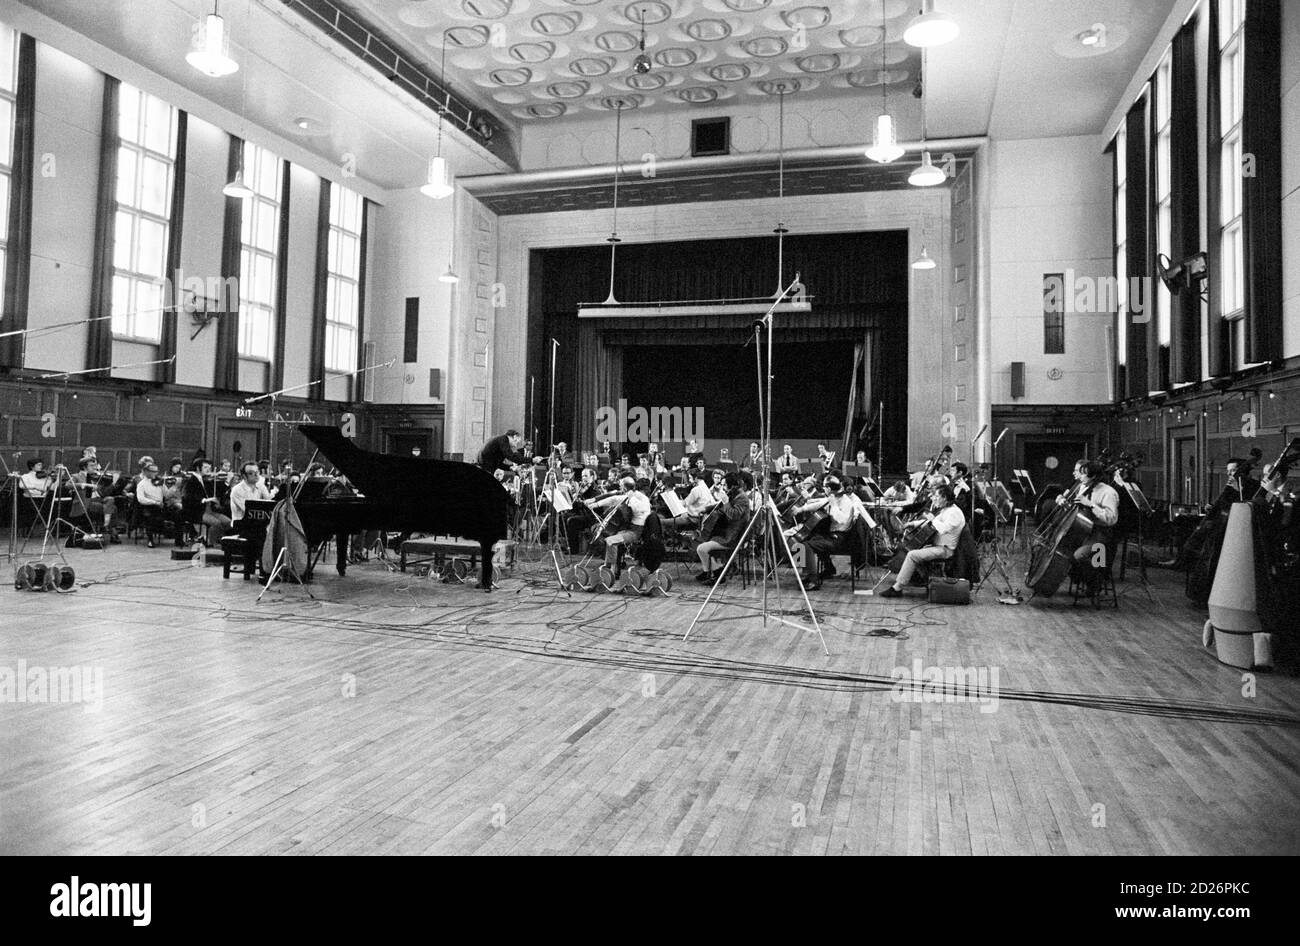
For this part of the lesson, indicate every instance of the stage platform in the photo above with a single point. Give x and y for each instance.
(398, 714)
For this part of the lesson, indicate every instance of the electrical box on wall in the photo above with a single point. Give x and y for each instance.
(1017, 379)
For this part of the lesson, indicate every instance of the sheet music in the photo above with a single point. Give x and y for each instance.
(674, 503)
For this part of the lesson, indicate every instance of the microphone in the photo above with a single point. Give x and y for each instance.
(1001, 435)
(980, 434)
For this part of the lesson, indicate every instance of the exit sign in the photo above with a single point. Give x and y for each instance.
(1054, 430)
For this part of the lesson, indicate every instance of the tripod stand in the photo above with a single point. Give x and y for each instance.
(767, 512)
(993, 549)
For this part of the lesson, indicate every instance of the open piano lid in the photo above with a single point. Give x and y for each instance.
(466, 497)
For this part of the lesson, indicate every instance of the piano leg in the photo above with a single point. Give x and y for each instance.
(485, 551)
(341, 545)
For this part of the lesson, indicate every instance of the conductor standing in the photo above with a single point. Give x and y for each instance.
(501, 453)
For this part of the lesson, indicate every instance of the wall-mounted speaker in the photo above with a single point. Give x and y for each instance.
(1017, 379)
(435, 382)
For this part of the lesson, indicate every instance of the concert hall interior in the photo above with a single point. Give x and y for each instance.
(650, 427)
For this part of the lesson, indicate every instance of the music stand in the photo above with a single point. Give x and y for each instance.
(767, 513)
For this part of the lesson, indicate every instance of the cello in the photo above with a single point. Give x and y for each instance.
(1054, 543)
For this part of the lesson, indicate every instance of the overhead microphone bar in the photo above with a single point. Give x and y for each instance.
(299, 387)
(138, 364)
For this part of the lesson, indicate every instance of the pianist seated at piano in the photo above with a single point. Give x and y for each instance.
(249, 487)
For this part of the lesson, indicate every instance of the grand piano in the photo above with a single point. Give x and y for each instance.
(404, 494)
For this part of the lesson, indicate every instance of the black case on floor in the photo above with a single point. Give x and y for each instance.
(948, 591)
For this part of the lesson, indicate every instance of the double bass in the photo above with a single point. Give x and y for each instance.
(1054, 543)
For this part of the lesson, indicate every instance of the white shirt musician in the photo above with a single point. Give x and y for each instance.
(249, 488)
(787, 462)
(35, 482)
(1101, 504)
(844, 509)
(948, 521)
(638, 503)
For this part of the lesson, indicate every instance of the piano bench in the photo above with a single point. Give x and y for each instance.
(238, 550)
(434, 550)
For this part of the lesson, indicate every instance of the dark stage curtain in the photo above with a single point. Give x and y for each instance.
(227, 375)
(282, 281)
(1157, 353)
(175, 300)
(858, 284)
(99, 343)
(320, 294)
(1261, 136)
(18, 257)
(1138, 323)
(1185, 204)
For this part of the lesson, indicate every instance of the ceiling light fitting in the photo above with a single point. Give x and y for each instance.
(929, 28)
(210, 47)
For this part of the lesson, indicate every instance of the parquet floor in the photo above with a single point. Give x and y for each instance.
(397, 715)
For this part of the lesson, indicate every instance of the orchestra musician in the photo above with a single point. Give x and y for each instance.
(846, 514)
(694, 457)
(101, 505)
(1241, 487)
(250, 487)
(201, 502)
(735, 512)
(698, 501)
(36, 482)
(899, 493)
(1102, 504)
(826, 457)
(753, 462)
(787, 462)
(151, 498)
(500, 453)
(948, 521)
(632, 494)
(581, 518)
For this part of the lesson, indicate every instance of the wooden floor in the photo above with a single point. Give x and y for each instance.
(397, 715)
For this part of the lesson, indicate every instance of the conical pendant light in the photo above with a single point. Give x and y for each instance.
(924, 261)
(210, 50)
(613, 240)
(237, 187)
(439, 183)
(930, 28)
(926, 175)
(884, 140)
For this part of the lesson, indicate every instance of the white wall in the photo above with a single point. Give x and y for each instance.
(412, 244)
(1050, 212)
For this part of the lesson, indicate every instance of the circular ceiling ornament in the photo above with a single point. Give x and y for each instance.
(621, 101)
(511, 77)
(566, 89)
(780, 86)
(647, 82)
(809, 18)
(748, 6)
(888, 55)
(556, 24)
(590, 67)
(464, 37)
(675, 57)
(697, 95)
(423, 15)
(486, 9)
(654, 11)
(729, 72)
(765, 47)
(616, 41)
(860, 36)
(821, 62)
(708, 30)
(544, 110)
(532, 52)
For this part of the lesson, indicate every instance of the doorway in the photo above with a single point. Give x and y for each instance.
(401, 443)
(1052, 461)
(238, 441)
(1183, 487)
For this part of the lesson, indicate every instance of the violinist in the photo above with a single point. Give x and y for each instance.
(101, 506)
(632, 495)
(735, 512)
(719, 488)
(948, 521)
(970, 499)
(151, 498)
(174, 486)
(846, 513)
(787, 493)
(36, 482)
(826, 458)
(202, 502)
(693, 459)
(752, 462)
(581, 518)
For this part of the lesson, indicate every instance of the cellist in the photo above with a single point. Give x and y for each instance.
(948, 521)
(1101, 501)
